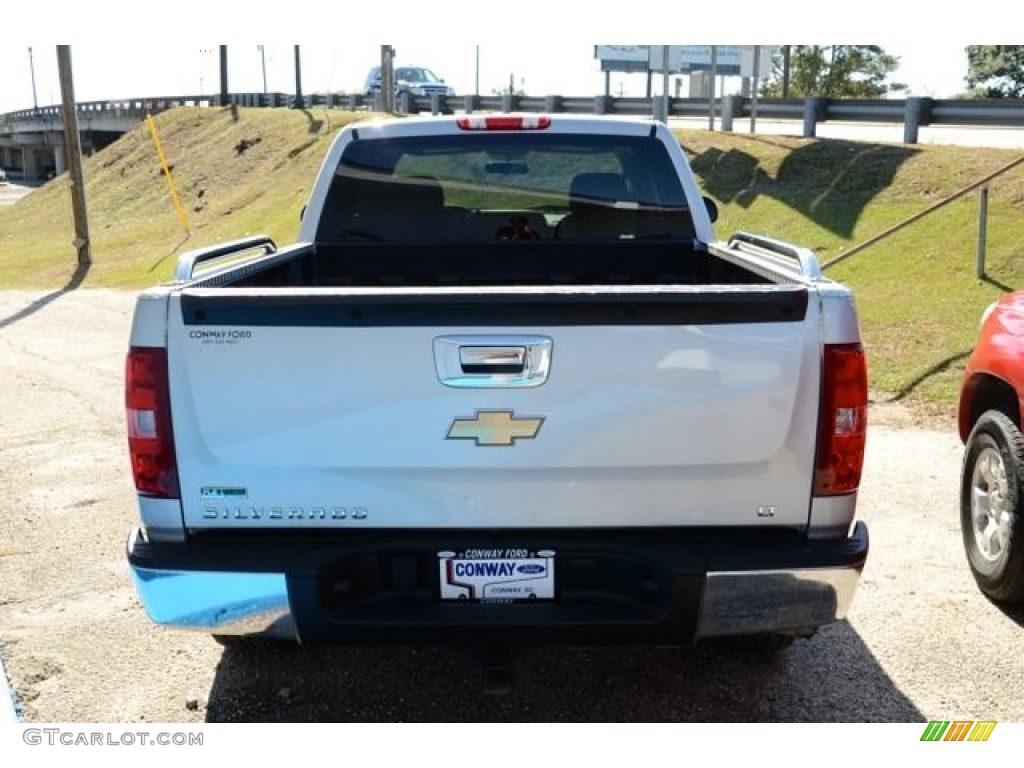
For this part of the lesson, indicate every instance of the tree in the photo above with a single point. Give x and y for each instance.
(511, 87)
(856, 71)
(996, 71)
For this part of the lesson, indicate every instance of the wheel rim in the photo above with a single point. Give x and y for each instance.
(990, 505)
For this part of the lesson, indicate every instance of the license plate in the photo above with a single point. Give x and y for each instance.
(497, 574)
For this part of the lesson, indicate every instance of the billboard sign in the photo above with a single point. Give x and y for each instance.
(683, 59)
(622, 58)
(696, 58)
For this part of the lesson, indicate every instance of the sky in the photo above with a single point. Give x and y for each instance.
(126, 50)
(171, 69)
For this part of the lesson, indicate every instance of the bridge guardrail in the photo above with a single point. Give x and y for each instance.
(912, 112)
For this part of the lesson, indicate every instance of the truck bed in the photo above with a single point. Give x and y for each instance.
(513, 263)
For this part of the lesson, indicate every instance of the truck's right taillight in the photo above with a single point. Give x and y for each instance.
(842, 420)
(150, 439)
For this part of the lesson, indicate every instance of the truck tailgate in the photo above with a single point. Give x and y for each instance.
(504, 408)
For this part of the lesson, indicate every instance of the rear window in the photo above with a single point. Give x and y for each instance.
(505, 186)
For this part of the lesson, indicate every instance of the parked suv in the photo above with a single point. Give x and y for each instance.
(416, 81)
(992, 479)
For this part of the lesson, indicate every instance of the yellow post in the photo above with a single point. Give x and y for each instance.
(167, 173)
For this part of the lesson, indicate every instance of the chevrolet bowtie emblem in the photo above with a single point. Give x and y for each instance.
(494, 428)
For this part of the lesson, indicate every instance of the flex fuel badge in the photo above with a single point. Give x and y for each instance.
(214, 493)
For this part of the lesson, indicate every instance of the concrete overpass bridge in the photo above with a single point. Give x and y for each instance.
(32, 140)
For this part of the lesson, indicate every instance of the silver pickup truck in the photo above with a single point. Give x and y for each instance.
(507, 388)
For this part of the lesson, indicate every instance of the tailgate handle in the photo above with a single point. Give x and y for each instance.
(499, 361)
(492, 359)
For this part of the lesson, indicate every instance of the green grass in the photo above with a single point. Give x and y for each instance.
(917, 295)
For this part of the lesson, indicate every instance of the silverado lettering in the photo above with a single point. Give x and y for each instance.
(281, 513)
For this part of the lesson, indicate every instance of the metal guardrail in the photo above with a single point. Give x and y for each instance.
(115, 108)
(912, 113)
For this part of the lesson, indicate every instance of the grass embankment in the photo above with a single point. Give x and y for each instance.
(250, 171)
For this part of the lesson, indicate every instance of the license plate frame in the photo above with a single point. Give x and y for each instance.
(496, 575)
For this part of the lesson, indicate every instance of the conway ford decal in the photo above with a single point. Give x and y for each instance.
(233, 336)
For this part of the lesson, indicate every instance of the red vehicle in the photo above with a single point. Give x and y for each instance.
(992, 478)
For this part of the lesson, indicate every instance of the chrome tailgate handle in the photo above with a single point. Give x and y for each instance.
(492, 361)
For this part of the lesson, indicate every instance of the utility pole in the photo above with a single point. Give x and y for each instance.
(263, 62)
(32, 68)
(477, 91)
(299, 102)
(225, 97)
(387, 79)
(785, 71)
(753, 90)
(73, 156)
(711, 96)
(664, 83)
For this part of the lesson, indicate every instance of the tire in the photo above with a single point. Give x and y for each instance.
(991, 492)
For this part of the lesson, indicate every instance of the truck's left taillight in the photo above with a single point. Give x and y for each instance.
(150, 439)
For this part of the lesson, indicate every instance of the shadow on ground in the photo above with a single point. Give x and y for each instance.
(175, 251)
(997, 284)
(943, 365)
(828, 181)
(831, 677)
(1013, 612)
(76, 279)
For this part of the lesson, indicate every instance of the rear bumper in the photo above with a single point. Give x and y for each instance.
(612, 588)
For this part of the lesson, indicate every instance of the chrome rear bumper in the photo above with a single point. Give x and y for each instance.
(715, 603)
(752, 602)
(219, 603)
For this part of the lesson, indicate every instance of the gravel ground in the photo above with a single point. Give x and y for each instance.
(920, 643)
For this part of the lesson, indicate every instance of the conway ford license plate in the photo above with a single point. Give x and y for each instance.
(497, 574)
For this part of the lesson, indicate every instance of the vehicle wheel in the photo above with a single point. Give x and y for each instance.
(990, 496)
